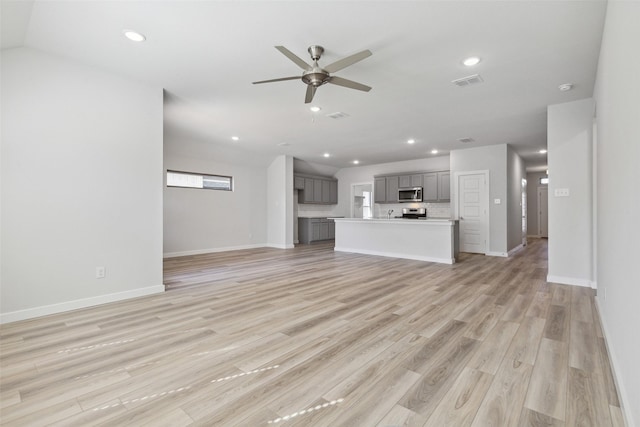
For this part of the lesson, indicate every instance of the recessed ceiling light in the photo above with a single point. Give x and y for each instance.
(235, 138)
(134, 36)
(543, 151)
(411, 141)
(315, 109)
(355, 162)
(565, 87)
(326, 155)
(434, 151)
(471, 61)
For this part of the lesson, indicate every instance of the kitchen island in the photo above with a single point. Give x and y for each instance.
(434, 240)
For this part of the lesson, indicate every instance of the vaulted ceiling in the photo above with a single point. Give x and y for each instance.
(206, 54)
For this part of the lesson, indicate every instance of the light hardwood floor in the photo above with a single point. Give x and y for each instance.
(309, 337)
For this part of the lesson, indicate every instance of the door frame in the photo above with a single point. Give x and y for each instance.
(353, 193)
(486, 205)
(540, 188)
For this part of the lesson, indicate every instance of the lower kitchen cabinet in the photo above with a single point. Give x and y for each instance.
(315, 229)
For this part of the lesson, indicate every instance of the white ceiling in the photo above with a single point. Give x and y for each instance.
(205, 54)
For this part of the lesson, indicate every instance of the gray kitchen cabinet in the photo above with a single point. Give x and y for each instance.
(316, 190)
(333, 192)
(430, 187)
(380, 190)
(444, 186)
(326, 191)
(408, 181)
(315, 229)
(392, 189)
(306, 196)
(435, 186)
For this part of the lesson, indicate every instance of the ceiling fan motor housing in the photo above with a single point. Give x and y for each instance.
(315, 77)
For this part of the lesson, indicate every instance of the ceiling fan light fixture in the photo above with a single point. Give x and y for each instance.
(134, 36)
(471, 61)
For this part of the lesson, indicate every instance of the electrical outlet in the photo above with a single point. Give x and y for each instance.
(101, 272)
(561, 192)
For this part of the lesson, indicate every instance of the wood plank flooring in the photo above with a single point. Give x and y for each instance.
(310, 337)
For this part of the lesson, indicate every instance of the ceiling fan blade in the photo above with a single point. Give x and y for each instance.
(349, 83)
(349, 60)
(311, 90)
(277, 80)
(292, 56)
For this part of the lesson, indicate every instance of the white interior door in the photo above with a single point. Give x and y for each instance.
(543, 211)
(472, 212)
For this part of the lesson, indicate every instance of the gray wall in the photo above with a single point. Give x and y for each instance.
(515, 174)
(494, 159)
(617, 93)
(569, 141)
(279, 206)
(533, 183)
(81, 186)
(201, 221)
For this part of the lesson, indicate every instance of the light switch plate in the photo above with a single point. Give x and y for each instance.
(496, 201)
(561, 192)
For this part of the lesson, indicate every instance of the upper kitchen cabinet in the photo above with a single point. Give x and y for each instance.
(409, 181)
(316, 189)
(436, 187)
(298, 183)
(444, 186)
(386, 189)
(393, 183)
(380, 190)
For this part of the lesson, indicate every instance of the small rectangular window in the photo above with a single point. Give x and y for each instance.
(544, 180)
(198, 180)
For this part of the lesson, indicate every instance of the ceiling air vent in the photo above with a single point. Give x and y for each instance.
(468, 81)
(466, 140)
(338, 115)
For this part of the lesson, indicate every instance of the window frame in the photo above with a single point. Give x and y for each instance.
(203, 175)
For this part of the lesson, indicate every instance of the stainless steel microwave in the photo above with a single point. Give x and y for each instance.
(410, 195)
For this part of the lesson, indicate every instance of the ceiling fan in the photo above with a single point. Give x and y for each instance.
(315, 76)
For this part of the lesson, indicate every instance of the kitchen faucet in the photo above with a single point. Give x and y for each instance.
(389, 212)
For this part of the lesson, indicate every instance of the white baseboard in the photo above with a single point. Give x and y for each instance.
(213, 250)
(534, 236)
(46, 310)
(514, 250)
(396, 255)
(279, 246)
(500, 254)
(571, 281)
(625, 401)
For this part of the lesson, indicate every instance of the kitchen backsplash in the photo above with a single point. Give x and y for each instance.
(434, 210)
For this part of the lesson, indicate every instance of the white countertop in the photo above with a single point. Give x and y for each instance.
(428, 221)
